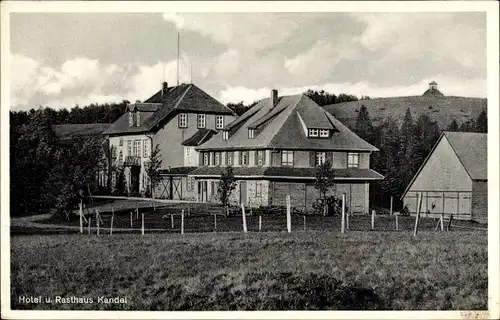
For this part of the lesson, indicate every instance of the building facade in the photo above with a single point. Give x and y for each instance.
(165, 120)
(275, 148)
(453, 179)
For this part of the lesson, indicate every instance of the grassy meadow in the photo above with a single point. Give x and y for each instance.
(256, 271)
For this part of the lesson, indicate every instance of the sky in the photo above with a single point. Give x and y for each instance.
(65, 59)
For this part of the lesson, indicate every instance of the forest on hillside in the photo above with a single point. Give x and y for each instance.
(45, 174)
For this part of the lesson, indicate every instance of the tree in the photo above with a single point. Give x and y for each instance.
(153, 170)
(364, 127)
(240, 108)
(453, 126)
(468, 126)
(227, 184)
(324, 181)
(482, 122)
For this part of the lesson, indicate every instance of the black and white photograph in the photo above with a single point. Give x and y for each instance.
(250, 160)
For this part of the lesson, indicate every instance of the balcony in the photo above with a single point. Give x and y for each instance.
(132, 161)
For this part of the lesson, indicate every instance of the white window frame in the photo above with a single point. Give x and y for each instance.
(188, 151)
(244, 158)
(320, 158)
(225, 135)
(145, 148)
(206, 159)
(130, 119)
(260, 157)
(120, 156)
(217, 158)
(258, 189)
(129, 148)
(183, 120)
(229, 157)
(219, 122)
(313, 133)
(251, 133)
(287, 158)
(353, 160)
(201, 121)
(137, 148)
(323, 133)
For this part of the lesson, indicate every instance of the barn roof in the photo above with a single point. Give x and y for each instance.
(472, 150)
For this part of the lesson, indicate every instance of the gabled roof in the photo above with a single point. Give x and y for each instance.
(199, 137)
(280, 128)
(69, 131)
(181, 98)
(471, 149)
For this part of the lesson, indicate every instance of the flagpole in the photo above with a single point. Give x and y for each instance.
(178, 45)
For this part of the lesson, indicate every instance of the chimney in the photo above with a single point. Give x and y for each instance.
(274, 97)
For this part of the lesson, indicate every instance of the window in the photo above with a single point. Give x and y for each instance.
(190, 184)
(120, 157)
(229, 159)
(287, 158)
(120, 143)
(244, 158)
(251, 133)
(219, 122)
(183, 120)
(320, 158)
(217, 158)
(129, 147)
(130, 119)
(146, 151)
(353, 160)
(205, 158)
(258, 189)
(201, 121)
(313, 133)
(260, 157)
(323, 133)
(225, 135)
(113, 152)
(188, 151)
(137, 148)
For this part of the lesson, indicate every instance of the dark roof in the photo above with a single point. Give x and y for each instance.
(280, 128)
(287, 172)
(177, 170)
(241, 119)
(433, 82)
(314, 120)
(68, 131)
(472, 150)
(182, 98)
(199, 137)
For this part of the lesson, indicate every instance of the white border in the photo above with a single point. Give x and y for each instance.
(491, 7)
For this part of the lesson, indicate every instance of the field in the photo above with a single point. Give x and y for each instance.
(255, 271)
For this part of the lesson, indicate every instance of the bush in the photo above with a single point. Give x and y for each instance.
(334, 205)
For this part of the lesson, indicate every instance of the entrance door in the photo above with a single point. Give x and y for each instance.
(243, 192)
(134, 180)
(202, 191)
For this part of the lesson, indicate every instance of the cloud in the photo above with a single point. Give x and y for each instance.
(83, 81)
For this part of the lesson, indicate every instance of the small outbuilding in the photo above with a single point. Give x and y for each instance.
(453, 179)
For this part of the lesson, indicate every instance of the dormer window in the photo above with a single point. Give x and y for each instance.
(219, 122)
(251, 133)
(201, 121)
(183, 121)
(323, 133)
(313, 133)
(225, 135)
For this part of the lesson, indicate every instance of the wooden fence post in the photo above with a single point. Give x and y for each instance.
(391, 207)
(111, 228)
(419, 203)
(97, 221)
(260, 222)
(244, 218)
(441, 220)
(304, 222)
(373, 219)
(342, 222)
(172, 220)
(288, 214)
(80, 209)
(182, 221)
(215, 222)
(131, 219)
(90, 222)
(397, 225)
(142, 227)
(448, 228)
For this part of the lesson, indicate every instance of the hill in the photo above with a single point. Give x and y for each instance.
(440, 109)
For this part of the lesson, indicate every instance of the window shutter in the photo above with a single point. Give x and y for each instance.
(200, 158)
(263, 157)
(312, 158)
(329, 157)
(256, 157)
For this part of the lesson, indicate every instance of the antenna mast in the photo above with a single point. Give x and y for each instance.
(178, 45)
